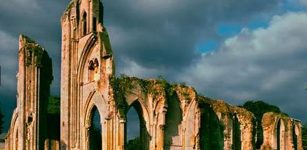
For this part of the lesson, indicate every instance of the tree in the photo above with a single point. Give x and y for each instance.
(258, 108)
(53, 105)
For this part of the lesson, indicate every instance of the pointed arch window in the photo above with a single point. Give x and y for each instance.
(94, 24)
(84, 23)
(95, 130)
(137, 136)
(236, 133)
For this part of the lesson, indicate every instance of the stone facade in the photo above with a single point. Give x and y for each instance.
(172, 116)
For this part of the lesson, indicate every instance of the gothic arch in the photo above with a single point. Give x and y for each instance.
(88, 48)
(84, 20)
(144, 124)
(132, 97)
(95, 130)
(236, 134)
(90, 104)
(143, 108)
(211, 129)
(94, 100)
(140, 101)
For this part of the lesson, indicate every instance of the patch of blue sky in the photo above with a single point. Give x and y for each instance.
(291, 5)
(258, 23)
(228, 29)
(207, 46)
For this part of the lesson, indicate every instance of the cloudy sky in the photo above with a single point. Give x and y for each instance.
(228, 49)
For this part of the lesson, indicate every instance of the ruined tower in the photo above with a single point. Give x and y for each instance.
(28, 126)
(86, 70)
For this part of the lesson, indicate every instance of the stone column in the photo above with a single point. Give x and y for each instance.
(107, 140)
(121, 134)
(227, 131)
(298, 128)
(160, 130)
(47, 144)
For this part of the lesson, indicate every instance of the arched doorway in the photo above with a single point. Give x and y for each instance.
(211, 130)
(173, 122)
(236, 134)
(95, 139)
(136, 137)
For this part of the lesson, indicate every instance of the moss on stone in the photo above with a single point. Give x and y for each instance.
(26, 39)
(124, 85)
(32, 49)
(53, 105)
(106, 42)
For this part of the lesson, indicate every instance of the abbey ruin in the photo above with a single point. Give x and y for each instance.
(172, 116)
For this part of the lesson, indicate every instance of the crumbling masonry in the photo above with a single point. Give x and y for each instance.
(29, 128)
(172, 117)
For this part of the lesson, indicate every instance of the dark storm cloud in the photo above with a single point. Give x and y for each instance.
(162, 34)
(39, 20)
(149, 37)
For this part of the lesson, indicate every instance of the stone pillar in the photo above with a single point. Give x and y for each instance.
(108, 133)
(246, 120)
(160, 130)
(226, 119)
(269, 134)
(298, 130)
(282, 135)
(121, 134)
(289, 135)
(87, 138)
(47, 144)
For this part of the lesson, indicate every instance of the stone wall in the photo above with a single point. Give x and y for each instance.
(281, 132)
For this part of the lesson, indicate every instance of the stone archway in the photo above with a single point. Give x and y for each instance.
(95, 130)
(211, 130)
(236, 134)
(95, 114)
(141, 142)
